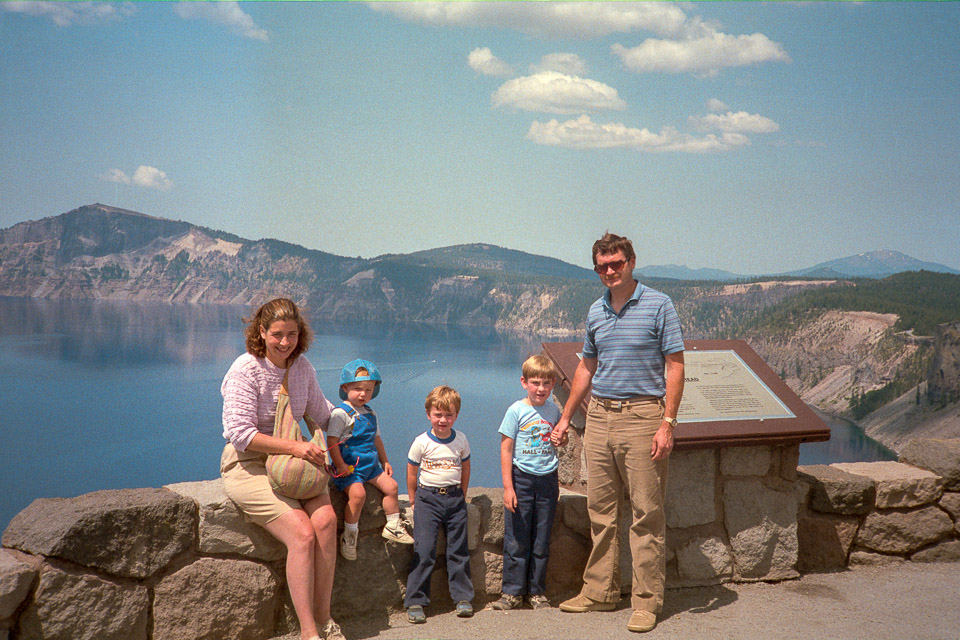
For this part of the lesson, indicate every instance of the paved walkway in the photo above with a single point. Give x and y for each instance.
(899, 602)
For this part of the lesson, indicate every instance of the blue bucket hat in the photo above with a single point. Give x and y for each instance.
(349, 374)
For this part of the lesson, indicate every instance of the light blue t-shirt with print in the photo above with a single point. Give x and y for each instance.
(530, 428)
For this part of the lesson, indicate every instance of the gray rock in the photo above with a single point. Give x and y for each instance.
(76, 606)
(903, 531)
(223, 528)
(861, 558)
(898, 485)
(941, 456)
(745, 461)
(705, 561)
(473, 526)
(375, 581)
(573, 512)
(490, 565)
(946, 551)
(213, 599)
(803, 489)
(950, 502)
(568, 557)
(568, 471)
(789, 458)
(489, 509)
(15, 580)
(691, 488)
(824, 541)
(835, 491)
(131, 533)
(762, 525)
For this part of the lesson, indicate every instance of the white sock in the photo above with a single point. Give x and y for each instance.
(393, 518)
(351, 526)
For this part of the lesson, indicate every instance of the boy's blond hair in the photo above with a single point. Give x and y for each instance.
(443, 397)
(539, 367)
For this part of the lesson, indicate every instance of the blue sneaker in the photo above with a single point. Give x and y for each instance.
(464, 609)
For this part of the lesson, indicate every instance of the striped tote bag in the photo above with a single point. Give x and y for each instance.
(289, 475)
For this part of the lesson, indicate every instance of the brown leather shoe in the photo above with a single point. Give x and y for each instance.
(642, 621)
(582, 604)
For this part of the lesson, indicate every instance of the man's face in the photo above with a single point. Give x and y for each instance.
(614, 269)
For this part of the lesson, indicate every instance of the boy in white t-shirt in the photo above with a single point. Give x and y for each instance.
(528, 463)
(438, 473)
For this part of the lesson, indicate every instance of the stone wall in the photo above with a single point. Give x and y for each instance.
(881, 512)
(181, 563)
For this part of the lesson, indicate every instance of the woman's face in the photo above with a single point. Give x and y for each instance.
(281, 339)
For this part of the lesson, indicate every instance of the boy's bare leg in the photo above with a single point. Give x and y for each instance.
(388, 486)
(356, 494)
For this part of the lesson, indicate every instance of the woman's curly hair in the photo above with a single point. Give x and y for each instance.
(266, 315)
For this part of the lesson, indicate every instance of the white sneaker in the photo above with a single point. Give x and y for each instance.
(397, 533)
(348, 544)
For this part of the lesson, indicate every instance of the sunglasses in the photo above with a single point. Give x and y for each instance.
(616, 265)
(332, 469)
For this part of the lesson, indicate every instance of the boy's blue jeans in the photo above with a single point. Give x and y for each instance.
(432, 510)
(526, 533)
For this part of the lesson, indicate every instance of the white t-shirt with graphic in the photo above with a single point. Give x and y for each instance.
(440, 461)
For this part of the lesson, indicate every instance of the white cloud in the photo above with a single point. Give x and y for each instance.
(705, 54)
(583, 133)
(226, 13)
(715, 105)
(483, 61)
(64, 14)
(151, 178)
(730, 121)
(115, 175)
(546, 19)
(553, 92)
(568, 63)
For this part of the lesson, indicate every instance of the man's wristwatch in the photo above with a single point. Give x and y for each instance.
(671, 421)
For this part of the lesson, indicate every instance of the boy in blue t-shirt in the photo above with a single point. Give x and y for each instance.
(528, 463)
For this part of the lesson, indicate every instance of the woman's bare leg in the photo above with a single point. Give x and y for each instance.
(324, 522)
(298, 534)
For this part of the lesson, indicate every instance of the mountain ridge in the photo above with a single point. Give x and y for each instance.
(806, 328)
(488, 257)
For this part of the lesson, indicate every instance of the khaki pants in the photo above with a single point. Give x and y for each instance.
(616, 446)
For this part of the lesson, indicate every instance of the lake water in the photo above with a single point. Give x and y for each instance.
(101, 395)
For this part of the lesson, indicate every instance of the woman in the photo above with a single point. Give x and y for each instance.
(276, 336)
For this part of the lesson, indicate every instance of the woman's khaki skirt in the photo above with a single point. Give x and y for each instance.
(246, 483)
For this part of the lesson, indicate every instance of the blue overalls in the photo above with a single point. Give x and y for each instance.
(359, 449)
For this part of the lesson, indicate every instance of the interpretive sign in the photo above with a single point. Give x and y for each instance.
(720, 386)
(731, 397)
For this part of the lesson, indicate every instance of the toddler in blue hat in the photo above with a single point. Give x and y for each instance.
(357, 452)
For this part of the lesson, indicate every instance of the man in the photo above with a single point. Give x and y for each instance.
(633, 358)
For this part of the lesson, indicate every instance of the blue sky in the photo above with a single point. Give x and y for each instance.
(752, 137)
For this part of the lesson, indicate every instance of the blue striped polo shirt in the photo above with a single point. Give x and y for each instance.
(630, 346)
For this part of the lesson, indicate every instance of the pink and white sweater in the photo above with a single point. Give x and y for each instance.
(250, 391)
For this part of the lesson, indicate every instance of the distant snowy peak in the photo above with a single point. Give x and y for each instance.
(873, 264)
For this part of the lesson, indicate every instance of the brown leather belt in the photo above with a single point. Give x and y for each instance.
(614, 404)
